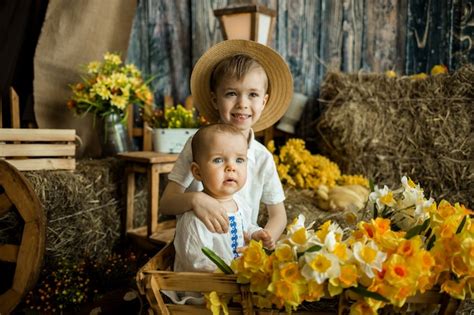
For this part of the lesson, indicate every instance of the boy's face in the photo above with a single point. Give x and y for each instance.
(222, 165)
(241, 102)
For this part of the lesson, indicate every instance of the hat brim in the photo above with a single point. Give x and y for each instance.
(280, 81)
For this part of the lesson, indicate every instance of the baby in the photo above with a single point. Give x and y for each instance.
(220, 163)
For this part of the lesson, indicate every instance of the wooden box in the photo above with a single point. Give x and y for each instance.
(38, 149)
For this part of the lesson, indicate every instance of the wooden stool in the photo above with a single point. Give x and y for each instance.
(153, 164)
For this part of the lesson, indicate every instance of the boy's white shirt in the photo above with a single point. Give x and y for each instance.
(192, 235)
(263, 183)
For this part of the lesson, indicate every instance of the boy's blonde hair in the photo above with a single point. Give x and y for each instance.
(236, 67)
(201, 137)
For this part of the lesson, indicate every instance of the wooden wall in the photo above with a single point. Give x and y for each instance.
(408, 36)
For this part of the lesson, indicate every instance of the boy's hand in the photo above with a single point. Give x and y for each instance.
(211, 213)
(265, 237)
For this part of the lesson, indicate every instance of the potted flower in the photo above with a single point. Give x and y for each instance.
(172, 127)
(107, 89)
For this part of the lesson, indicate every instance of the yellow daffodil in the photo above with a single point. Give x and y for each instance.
(284, 253)
(215, 303)
(254, 256)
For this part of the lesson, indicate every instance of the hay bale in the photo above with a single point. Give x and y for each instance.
(82, 208)
(388, 127)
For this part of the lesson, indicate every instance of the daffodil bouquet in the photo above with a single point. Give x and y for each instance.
(109, 86)
(376, 264)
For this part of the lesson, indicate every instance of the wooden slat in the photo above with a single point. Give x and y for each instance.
(14, 108)
(5, 204)
(8, 252)
(39, 135)
(148, 157)
(177, 309)
(32, 150)
(196, 282)
(43, 164)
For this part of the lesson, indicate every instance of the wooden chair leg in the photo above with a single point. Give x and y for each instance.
(153, 191)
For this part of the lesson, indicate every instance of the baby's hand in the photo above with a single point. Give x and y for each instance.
(265, 237)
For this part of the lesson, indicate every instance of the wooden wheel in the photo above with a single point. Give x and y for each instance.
(24, 259)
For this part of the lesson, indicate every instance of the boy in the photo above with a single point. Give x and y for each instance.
(247, 85)
(220, 163)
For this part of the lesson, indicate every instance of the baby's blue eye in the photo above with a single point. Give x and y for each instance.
(240, 160)
(254, 94)
(218, 160)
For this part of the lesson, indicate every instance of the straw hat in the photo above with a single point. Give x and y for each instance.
(280, 81)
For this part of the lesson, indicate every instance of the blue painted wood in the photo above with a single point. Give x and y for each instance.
(312, 36)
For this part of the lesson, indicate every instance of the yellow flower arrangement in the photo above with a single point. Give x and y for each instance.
(173, 117)
(378, 263)
(298, 168)
(109, 87)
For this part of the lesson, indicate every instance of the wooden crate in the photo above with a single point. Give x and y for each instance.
(38, 149)
(156, 275)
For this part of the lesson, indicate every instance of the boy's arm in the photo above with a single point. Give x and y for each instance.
(176, 201)
(276, 220)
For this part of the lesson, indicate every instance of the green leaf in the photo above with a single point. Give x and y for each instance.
(225, 268)
(369, 294)
(461, 225)
(414, 231)
(431, 241)
(313, 248)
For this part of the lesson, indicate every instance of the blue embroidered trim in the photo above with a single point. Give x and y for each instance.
(233, 235)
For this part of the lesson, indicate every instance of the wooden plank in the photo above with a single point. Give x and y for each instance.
(431, 40)
(43, 164)
(8, 252)
(196, 282)
(15, 108)
(30, 256)
(39, 135)
(148, 157)
(381, 33)
(32, 150)
(352, 35)
(5, 204)
(147, 137)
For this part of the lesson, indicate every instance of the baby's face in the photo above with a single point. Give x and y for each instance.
(223, 165)
(241, 102)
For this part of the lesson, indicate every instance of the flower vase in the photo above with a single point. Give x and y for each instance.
(114, 136)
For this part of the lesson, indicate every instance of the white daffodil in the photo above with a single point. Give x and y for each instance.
(382, 197)
(369, 257)
(299, 236)
(413, 196)
(320, 266)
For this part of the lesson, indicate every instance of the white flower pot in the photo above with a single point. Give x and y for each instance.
(171, 140)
